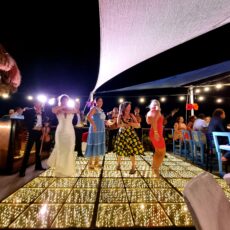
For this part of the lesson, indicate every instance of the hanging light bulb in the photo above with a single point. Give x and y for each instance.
(206, 89)
(141, 99)
(182, 98)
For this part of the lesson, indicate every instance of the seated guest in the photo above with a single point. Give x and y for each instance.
(217, 125)
(178, 127)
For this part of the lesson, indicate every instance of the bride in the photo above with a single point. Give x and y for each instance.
(62, 157)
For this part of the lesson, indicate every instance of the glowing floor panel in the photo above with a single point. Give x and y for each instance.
(105, 197)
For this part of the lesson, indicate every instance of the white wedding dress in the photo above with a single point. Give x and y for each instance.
(62, 158)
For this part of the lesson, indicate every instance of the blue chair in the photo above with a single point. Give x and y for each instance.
(176, 145)
(199, 146)
(188, 150)
(220, 147)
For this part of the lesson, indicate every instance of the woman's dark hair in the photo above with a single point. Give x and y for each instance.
(61, 97)
(218, 112)
(97, 98)
(123, 106)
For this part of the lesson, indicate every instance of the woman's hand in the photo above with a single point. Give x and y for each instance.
(94, 128)
(156, 136)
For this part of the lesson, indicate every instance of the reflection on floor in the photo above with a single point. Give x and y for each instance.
(104, 197)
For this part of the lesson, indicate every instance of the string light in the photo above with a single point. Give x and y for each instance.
(219, 86)
(142, 100)
(206, 89)
(182, 98)
(121, 100)
(197, 91)
(162, 99)
(219, 100)
(201, 98)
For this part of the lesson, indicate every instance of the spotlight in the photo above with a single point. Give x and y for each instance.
(77, 99)
(30, 98)
(71, 103)
(42, 98)
(51, 101)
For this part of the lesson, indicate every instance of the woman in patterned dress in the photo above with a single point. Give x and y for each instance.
(127, 142)
(96, 135)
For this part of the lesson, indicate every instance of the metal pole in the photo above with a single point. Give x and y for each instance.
(191, 98)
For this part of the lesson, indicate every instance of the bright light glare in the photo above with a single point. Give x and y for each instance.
(42, 98)
(182, 98)
(219, 86)
(197, 91)
(219, 100)
(201, 98)
(43, 209)
(121, 100)
(162, 99)
(30, 98)
(5, 95)
(51, 101)
(77, 99)
(206, 89)
(71, 103)
(142, 100)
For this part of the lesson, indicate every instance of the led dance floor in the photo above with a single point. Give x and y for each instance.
(104, 197)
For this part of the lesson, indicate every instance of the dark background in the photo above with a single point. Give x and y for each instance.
(57, 48)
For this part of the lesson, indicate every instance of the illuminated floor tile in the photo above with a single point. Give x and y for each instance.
(82, 196)
(178, 213)
(105, 197)
(114, 215)
(74, 216)
(91, 173)
(135, 183)
(37, 216)
(140, 195)
(63, 183)
(169, 174)
(39, 182)
(111, 173)
(87, 183)
(149, 215)
(24, 195)
(53, 196)
(112, 183)
(178, 183)
(125, 173)
(8, 212)
(185, 173)
(157, 183)
(113, 196)
(167, 195)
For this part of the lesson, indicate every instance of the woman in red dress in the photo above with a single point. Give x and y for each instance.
(156, 119)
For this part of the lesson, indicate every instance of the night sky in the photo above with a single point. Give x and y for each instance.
(57, 48)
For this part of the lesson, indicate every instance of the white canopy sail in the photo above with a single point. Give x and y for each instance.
(135, 30)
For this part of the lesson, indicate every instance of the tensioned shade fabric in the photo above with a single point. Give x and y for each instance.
(135, 30)
(179, 80)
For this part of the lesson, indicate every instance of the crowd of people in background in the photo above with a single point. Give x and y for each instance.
(118, 131)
